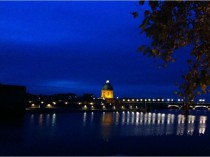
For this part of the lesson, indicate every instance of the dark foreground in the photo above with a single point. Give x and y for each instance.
(107, 133)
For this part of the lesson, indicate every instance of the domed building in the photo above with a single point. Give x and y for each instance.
(107, 91)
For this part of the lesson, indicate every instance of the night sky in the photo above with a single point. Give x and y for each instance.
(74, 47)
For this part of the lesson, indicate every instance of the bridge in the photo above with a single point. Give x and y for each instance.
(179, 106)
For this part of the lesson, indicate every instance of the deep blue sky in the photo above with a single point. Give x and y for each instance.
(60, 47)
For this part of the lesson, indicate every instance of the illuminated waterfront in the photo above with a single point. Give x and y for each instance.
(109, 133)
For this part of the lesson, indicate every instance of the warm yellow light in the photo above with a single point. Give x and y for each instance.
(48, 105)
(32, 105)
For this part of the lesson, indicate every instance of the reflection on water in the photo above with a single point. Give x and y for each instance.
(44, 120)
(40, 120)
(133, 123)
(107, 121)
(149, 124)
(84, 118)
(202, 124)
(53, 120)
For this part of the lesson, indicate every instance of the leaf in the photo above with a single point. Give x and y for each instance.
(203, 87)
(155, 52)
(141, 48)
(146, 12)
(173, 60)
(153, 4)
(144, 24)
(141, 2)
(135, 14)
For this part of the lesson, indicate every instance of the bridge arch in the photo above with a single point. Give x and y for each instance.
(203, 106)
(174, 106)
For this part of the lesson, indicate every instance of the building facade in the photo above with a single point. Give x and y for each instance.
(107, 91)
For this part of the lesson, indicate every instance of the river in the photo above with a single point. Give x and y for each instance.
(161, 132)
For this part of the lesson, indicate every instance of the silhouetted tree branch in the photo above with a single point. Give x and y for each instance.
(174, 24)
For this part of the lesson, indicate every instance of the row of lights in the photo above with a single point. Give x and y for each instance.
(179, 100)
(66, 102)
(201, 100)
(113, 107)
(47, 106)
(147, 100)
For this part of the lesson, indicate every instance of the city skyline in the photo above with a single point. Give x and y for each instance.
(62, 47)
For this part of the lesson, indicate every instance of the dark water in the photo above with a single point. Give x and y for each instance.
(108, 133)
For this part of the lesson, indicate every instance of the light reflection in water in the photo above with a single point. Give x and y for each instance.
(53, 120)
(153, 118)
(202, 124)
(145, 118)
(132, 117)
(117, 118)
(91, 119)
(170, 124)
(32, 119)
(181, 125)
(40, 120)
(128, 117)
(44, 120)
(84, 118)
(48, 119)
(106, 123)
(135, 123)
(149, 124)
(123, 118)
(141, 118)
(137, 118)
(191, 125)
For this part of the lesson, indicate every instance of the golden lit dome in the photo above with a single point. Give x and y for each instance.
(107, 86)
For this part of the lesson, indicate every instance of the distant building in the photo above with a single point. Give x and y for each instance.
(107, 91)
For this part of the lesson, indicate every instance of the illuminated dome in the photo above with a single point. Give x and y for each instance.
(107, 86)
